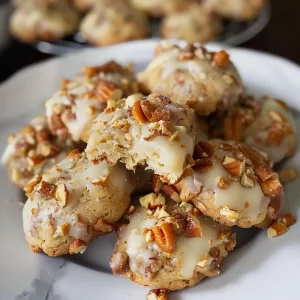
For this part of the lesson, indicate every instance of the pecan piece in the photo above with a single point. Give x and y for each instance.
(271, 187)
(119, 262)
(165, 237)
(147, 109)
(47, 189)
(221, 59)
(161, 114)
(78, 246)
(138, 114)
(193, 227)
(157, 294)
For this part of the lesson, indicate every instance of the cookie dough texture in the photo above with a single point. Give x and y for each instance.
(29, 23)
(193, 25)
(114, 23)
(33, 150)
(206, 81)
(158, 8)
(233, 184)
(73, 203)
(242, 10)
(151, 132)
(171, 247)
(72, 110)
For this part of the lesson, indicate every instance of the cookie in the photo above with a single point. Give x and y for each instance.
(233, 184)
(113, 24)
(206, 81)
(85, 5)
(30, 23)
(157, 8)
(170, 246)
(73, 203)
(33, 150)
(39, 3)
(273, 131)
(72, 110)
(241, 10)
(150, 132)
(265, 124)
(193, 25)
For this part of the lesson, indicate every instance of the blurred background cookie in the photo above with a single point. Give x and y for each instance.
(195, 24)
(29, 23)
(114, 23)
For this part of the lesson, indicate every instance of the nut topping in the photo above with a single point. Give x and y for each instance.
(157, 294)
(233, 128)
(47, 189)
(147, 109)
(119, 262)
(233, 166)
(138, 114)
(263, 172)
(61, 195)
(221, 59)
(271, 187)
(161, 114)
(246, 181)
(103, 227)
(31, 184)
(78, 246)
(288, 219)
(193, 227)
(164, 237)
(152, 201)
(156, 183)
(222, 183)
(276, 229)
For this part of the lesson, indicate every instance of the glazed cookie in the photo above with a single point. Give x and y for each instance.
(33, 150)
(273, 131)
(158, 8)
(113, 24)
(266, 124)
(73, 203)
(206, 81)
(39, 3)
(72, 110)
(233, 184)
(170, 246)
(243, 10)
(193, 25)
(29, 23)
(151, 132)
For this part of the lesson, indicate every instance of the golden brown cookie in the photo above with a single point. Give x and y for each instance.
(31, 23)
(33, 150)
(113, 24)
(232, 183)
(196, 24)
(72, 110)
(243, 10)
(150, 132)
(73, 203)
(206, 81)
(158, 8)
(170, 246)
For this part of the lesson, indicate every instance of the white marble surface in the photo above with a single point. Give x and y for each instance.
(263, 269)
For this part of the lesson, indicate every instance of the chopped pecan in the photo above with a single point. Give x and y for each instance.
(203, 165)
(73, 153)
(276, 229)
(108, 90)
(204, 150)
(61, 195)
(233, 166)
(271, 187)
(263, 171)
(193, 227)
(47, 189)
(288, 219)
(156, 183)
(138, 114)
(119, 262)
(77, 246)
(42, 136)
(103, 227)
(147, 109)
(161, 114)
(222, 183)
(172, 192)
(221, 59)
(29, 187)
(233, 128)
(165, 237)
(157, 294)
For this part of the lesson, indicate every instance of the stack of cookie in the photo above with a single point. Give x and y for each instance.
(172, 168)
(105, 22)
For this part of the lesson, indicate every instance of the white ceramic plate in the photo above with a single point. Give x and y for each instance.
(262, 269)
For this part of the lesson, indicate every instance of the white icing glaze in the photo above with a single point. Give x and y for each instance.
(137, 248)
(235, 196)
(257, 133)
(189, 251)
(166, 157)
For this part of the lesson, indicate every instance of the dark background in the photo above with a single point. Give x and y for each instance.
(281, 37)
